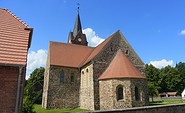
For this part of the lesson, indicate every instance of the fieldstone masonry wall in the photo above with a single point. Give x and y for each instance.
(108, 94)
(102, 61)
(142, 86)
(86, 91)
(63, 94)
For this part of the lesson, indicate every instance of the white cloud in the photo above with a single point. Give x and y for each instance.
(162, 63)
(35, 60)
(182, 32)
(92, 38)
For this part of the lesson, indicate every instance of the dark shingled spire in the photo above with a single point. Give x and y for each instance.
(77, 37)
(77, 27)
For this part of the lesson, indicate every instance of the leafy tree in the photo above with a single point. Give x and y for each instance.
(169, 79)
(153, 90)
(28, 103)
(152, 75)
(35, 85)
(166, 79)
(33, 90)
(181, 75)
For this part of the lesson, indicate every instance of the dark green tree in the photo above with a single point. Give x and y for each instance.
(33, 90)
(153, 90)
(169, 79)
(35, 85)
(152, 75)
(181, 75)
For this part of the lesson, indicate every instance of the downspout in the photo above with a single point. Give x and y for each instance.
(18, 90)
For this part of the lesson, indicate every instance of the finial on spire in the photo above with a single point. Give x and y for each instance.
(78, 7)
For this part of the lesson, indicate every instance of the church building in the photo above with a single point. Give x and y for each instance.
(108, 76)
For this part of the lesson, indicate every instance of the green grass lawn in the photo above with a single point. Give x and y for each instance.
(165, 102)
(39, 109)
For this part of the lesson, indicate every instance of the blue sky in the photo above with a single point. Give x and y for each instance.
(154, 28)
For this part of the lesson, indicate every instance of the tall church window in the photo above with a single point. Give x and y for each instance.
(62, 77)
(119, 92)
(137, 94)
(72, 77)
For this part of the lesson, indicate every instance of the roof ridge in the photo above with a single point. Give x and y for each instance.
(68, 44)
(16, 17)
(109, 38)
(123, 37)
(82, 63)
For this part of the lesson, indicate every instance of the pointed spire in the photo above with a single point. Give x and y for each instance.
(77, 27)
(77, 37)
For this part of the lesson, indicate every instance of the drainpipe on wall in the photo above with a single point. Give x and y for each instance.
(18, 89)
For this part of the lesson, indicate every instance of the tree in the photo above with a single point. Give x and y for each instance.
(169, 79)
(33, 90)
(181, 69)
(152, 75)
(153, 90)
(35, 85)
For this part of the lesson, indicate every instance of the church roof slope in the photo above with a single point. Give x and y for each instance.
(68, 55)
(15, 39)
(121, 67)
(100, 47)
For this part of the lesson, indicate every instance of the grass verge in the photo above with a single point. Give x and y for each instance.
(166, 102)
(39, 109)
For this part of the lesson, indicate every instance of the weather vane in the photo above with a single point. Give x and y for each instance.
(78, 7)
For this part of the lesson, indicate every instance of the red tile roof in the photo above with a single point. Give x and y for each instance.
(68, 55)
(100, 47)
(121, 67)
(72, 55)
(15, 38)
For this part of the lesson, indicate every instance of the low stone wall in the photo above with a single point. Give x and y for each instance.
(175, 108)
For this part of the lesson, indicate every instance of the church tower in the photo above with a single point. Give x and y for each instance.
(77, 37)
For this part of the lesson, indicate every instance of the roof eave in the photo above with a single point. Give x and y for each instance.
(30, 36)
(122, 78)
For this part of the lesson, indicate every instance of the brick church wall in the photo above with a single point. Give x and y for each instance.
(86, 88)
(63, 94)
(8, 88)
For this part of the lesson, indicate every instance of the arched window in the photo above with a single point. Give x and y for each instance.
(72, 77)
(137, 95)
(82, 72)
(62, 77)
(119, 92)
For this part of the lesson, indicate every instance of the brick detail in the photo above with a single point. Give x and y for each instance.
(8, 88)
